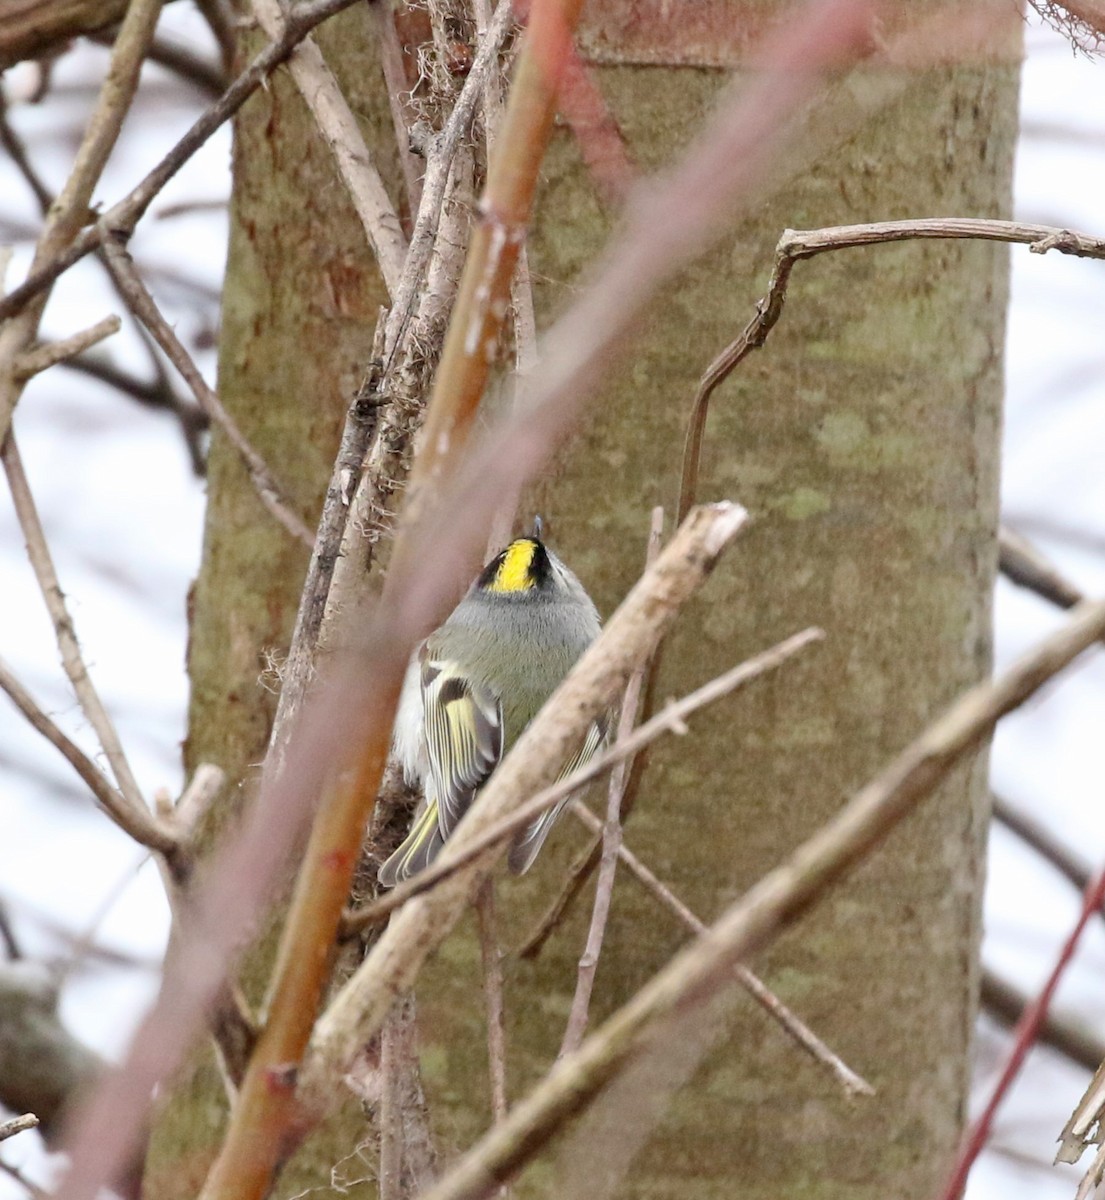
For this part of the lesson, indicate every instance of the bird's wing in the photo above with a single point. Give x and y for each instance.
(529, 842)
(464, 737)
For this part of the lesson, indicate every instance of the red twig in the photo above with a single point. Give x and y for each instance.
(1024, 1035)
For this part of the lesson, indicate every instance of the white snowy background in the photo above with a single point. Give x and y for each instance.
(123, 511)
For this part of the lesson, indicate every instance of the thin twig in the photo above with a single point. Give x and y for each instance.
(693, 976)
(1044, 842)
(41, 358)
(192, 419)
(491, 959)
(671, 720)
(42, 563)
(193, 68)
(611, 834)
(852, 1083)
(14, 1173)
(1006, 1003)
(138, 823)
(16, 1125)
(69, 211)
(1024, 1037)
(357, 433)
(144, 307)
(797, 244)
(158, 394)
(1023, 564)
(341, 133)
(581, 869)
(391, 1115)
(402, 112)
(416, 325)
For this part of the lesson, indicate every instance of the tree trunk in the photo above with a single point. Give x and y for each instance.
(300, 303)
(863, 439)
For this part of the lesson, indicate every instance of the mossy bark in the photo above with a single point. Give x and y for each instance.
(864, 440)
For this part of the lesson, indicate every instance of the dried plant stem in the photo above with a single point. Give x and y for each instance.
(69, 211)
(852, 1083)
(357, 1011)
(504, 215)
(1024, 1037)
(144, 307)
(341, 133)
(43, 566)
(797, 244)
(137, 823)
(41, 358)
(611, 833)
(670, 720)
(697, 972)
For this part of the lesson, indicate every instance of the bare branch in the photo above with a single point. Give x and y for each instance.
(611, 834)
(142, 304)
(391, 1114)
(137, 822)
(64, 631)
(1006, 1003)
(41, 358)
(491, 959)
(17, 1125)
(1023, 564)
(1088, 1113)
(69, 212)
(779, 899)
(503, 218)
(795, 245)
(341, 133)
(31, 28)
(1045, 843)
(402, 111)
(852, 1083)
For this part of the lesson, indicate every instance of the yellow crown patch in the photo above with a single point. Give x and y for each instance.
(515, 571)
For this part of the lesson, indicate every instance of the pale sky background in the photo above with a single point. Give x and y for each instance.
(124, 515)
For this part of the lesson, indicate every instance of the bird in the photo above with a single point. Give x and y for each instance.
(474, 685)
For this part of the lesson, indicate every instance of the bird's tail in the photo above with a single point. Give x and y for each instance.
(419, 849)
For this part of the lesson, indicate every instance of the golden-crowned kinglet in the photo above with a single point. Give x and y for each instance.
(474, 685)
